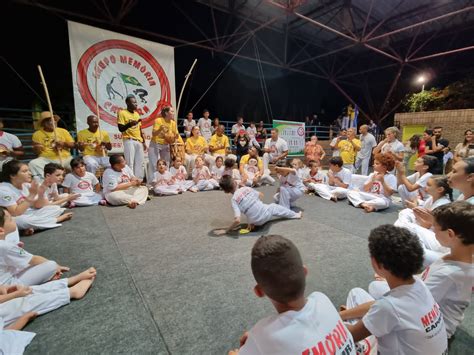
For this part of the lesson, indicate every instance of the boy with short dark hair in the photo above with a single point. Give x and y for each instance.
(54, 176)
(339, 180)
(406, 320)
(303, 325)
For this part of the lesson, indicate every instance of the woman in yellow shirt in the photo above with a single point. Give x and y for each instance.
(196, 146)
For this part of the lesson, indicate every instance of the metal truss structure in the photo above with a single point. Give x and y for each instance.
(364, 48)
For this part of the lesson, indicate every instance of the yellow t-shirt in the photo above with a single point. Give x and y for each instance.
(245, 159)
(348, 153)
(222, 141)
(47, 138)
(124, 117)
(165, 127)
(196, 145)
(86, 136)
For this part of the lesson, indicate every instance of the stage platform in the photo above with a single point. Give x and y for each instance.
(166, 286)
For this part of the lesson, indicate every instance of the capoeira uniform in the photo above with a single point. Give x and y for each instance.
(163, 184)
(52, 192)
(196, 146)
(205, 128)
(245, 200)
(265, 178)
(291, 189)
(276, 149)
(235, 173)
(92, 158)
(180, 176)
(318, 178)
(376, 196)
(368, 143)
(407, 216)
(302, 332)
(13, 341)
(15, 268)
(41, 218)
(83, 185)
(217, 172)
(132, 142)
(420, 193)
(204, 180)
(113, 178)
(327, 192)
(251, 169)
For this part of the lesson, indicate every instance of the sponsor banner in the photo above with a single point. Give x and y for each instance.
(293, 133)
(121, 65)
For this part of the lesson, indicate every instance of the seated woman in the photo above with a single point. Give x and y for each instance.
(27, 201)
(195, 146)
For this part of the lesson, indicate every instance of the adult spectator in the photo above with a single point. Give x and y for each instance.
(10, 146)
(466, 148)
(335, 141)
(276, 149)
(195, 146)
(348, 149)
(236, 128)
(368, 143)
(436, 147)
(391, 144)
(215, 125)
(313, 151)
(51, 144)
(94, 145)
(261, 135)
(134, 146)
(373, 128)
(219, 145)
(242, 143)
(204, 125)
(415, 146)
(188, 124)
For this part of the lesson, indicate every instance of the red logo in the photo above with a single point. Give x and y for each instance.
(301, 131)
(122, 68)
(83, 185)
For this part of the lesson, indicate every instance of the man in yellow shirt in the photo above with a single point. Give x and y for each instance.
(348, 149)
(94, 145)
(134, 146)
(49, 149)
(219, 145)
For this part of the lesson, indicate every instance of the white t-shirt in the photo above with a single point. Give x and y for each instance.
(80, 185)
(10, 195)
(377, 186)
(51, 192)
(217, 172)
(202, 173)
(316, 326)
(180, 173)
(112, 178)
(188, 125)
(318, 178)
(276, 147)
(13, 260)
(236, 128)
(205, 127)
(246, 200)
(470, 199)
(13, 341)
(421, 182)
(450, 283)
(344, 175)
(162, 179)
(291, 180)
(252, 132)
(407, 320)
(368, 143)
(395, 147)
(8, 141)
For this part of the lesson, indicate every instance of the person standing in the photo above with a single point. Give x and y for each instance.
(236, 128)
(94, 145)
(391, 144)
(348, 149)
(188, 124)
(134, 146)
(436, 147)
(204, 125)
(368, 143)
(10, 146)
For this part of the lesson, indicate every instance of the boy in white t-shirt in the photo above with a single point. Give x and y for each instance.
(406, 320)
(313, 175)
(84, 184)
(54, 176)
(338, 182)
(413, 187)
(303, 325)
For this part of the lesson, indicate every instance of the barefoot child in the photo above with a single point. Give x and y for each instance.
(12, 339)
(84, 184)
(339, 180)
(218, 168)
(291, 187)
(379, 187)
(313, 176)
(202, 177)
(179, 173)
(163, 181)
(302, 324)
(246, 200)
(54, 175)
(406, 320)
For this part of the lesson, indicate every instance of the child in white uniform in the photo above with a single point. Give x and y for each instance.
(291, 187)
(12, 340)
(202, 177)
(218, 168)
(302, 325)
(252, 171)
(179, 173)
(413, 187)
(313, 176)
(163, 181)
(229, 170)
(54, 176)
(379, 187)
(83, 183)
(246, 200)
(406, 320)
(338, 182)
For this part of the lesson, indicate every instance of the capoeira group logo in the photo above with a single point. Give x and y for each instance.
(122, 68)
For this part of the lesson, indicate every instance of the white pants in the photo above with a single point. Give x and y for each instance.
(190, 158)
(270, 212)
(405, 216)
(363, 164)
(206, 185)
(88, 199)
(266, 178)
(349, 166)
(42, 218)
(93, 163)
(287, 195)
(326, 191)
(138, 194)
(156, 152)
(185, 185)
(267, 158)
(34, 275)
(44, 298)
(358, 197)
(134, 155)
(167, 190)
(37, 165)
(407, 195)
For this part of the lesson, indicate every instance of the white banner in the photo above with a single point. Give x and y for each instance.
(122, 65)
(293, 133)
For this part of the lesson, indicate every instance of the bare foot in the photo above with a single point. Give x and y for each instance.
(65, 217)
(250, 227)
(132, 204)
(333, 198)
(368, 208)
(88, 274)
(80, 289)
(299, 215)
(27, 232)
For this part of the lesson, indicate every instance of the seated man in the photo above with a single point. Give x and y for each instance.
(51, 144)
(94, 144)
(275, 149)
(121, 187)
(219, 145)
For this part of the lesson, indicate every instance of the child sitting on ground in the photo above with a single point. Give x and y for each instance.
(303, 325)
(229, 170)
(54, 176)
(163, 181)
(339, 180)
(218, 168)
(83, 183)
(300, 168)
(12, 340)
(406, 320)
(291, 187)
(449, 278)
(252, 172)
(246, 200)
(379, 187)
(179, 173)
(313, 175)
(202, 177)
